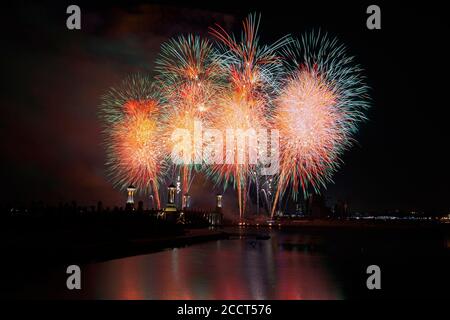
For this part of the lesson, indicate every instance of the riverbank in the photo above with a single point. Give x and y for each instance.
(140, 246)
(73, 251)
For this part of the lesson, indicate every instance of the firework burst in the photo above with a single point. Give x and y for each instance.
(190, 78)
(188, 69)
(253, 72)
(317, 112)
(131, 115)
(240, 122)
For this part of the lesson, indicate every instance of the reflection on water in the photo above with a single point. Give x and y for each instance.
(224, 269)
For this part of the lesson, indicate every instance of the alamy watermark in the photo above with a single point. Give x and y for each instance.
(233, 146)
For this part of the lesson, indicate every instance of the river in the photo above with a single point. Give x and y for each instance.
(240, 268)
(291, 264)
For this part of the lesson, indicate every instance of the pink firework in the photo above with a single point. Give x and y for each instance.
(311, 131)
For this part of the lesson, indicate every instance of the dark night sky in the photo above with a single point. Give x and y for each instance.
(53, 77)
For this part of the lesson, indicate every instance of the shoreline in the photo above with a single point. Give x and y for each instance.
(141, 246)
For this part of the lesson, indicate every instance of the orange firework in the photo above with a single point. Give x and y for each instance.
(239, 120)
(185, 118)
(136, 148)
(253, 72)
(131, 114)
(190, 78)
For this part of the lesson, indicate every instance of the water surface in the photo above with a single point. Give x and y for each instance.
(246, 268)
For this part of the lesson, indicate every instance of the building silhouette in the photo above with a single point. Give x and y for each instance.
(341, 209)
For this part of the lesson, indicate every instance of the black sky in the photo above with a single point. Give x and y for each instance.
(53, 77)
